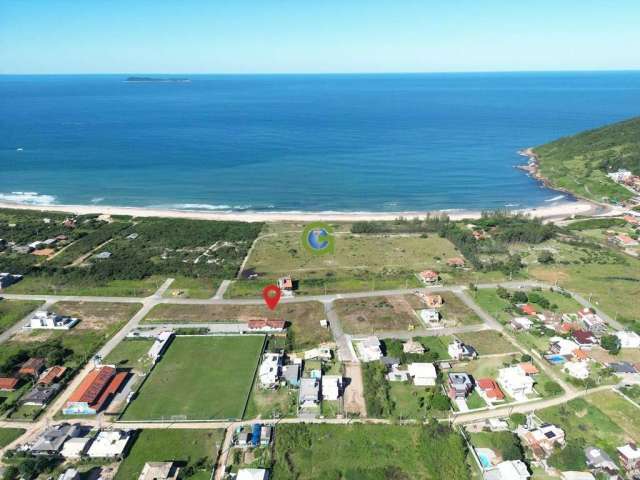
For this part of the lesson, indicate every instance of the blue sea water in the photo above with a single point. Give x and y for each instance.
(295, 142)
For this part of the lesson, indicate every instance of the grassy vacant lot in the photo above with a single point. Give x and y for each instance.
(410, 401)
(621, 411)
(8, 435)
(284, 254)
(129, 353)
(488, 367)
(216, 386)
(367, 452)
(188, 446)
(12, 311)
(488, 342)
(45, 284)
(376, 314)
(454, 311)
(99, 321)
(304, 318)
(187, 287)
(437, 345)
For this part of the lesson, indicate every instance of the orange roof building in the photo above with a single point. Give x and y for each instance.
(285, 283)
(529, 368)
(266, 324)
(52, 375)
(33, 367)
(456, 262)
(8, 384)
(95, 391)
(434, 301)
(429, 276)
(528, 309)
(44, 252)
(490, 388)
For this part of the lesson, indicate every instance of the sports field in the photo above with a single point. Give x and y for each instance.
(199, 378)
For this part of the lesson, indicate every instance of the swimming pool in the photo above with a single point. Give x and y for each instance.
(556, 359)
(484, 460)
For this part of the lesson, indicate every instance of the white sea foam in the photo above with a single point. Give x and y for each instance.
(97, 199)
(555, 199)
(203, 206)
(28, 198)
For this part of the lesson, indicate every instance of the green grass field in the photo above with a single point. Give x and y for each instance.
(8, 435)
(188, 446)
(187, 287)
(376, 314)
(43, 284)
(130, 354)
(199, 378)
(367, 452)
(488, 342)
(12, 311)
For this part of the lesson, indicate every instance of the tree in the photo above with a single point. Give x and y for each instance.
(546, 257)
(610, 343)
(503, 293)
(520, 297)
(440, 402)
(518, 419)
(552, 388)
(10, 473)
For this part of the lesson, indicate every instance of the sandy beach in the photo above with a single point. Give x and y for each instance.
(557, 211)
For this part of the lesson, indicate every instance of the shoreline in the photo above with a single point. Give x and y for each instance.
(551, 212)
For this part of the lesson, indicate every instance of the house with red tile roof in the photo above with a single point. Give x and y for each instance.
(52, 375)
(429, 276)
(490, 389)
(529, 368)
(528, 309)
(8, 384)
(266, 325)
(33, 367)
(456, 262)
(285, 283)
(584, 339)
(95, 391)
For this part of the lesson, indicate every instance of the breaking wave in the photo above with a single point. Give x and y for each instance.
(27, 198)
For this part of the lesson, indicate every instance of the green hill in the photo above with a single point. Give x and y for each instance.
(580, 163)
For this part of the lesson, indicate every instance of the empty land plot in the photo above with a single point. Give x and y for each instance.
(130, 353)
(12, 311)
(8, 435)
(99, 321)
(186, 447)
(310, 452)
(199, 378)
(453, 310)
(304, 318)
(376, 314)
(283, 253)
(488, 342)
(620, 410)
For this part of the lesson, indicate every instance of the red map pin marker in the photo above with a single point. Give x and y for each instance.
(271, 295)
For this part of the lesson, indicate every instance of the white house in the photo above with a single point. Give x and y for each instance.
(321, 353)
(515, 382)
(562, 346)
(511, 470)
(620, 176)
(42, 320)
(159, 346)
(369, 349)
(424, 374)
(628, 339)
(252, 474)
(331, 387)
(521, 323)
(430, 317)
(579, 370)
(269, 371)
(309, 393)
(109, 444)
(461, 351)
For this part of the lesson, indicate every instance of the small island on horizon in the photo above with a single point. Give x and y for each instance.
(156, 80)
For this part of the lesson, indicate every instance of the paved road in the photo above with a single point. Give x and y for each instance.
(222, 290)
(342, 341)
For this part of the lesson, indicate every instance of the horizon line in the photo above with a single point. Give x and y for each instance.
(440, 72)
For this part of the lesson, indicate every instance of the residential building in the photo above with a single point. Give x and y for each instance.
(266, 325)
(40, 395)
(456, 262)
(369, 349)
(511, 470)
(291, 374)
(515, 382)
(521, 323)
(52, 440)
(628, 339)
(461, 351)
(621, 175)
(584, 339)
(309, 393)
(110, 444)
(599, 461)
(527, 309)
(70, 474)
(490, 389)
(592, 322)
(430, 317)
(76, 447)
(562, 346)
(625, 240)
(8, 384)
(529, 368)
(42, 320)
(331, 387)
(95, 391)
(423, 374)
(429, 277)
(102, 256)
(252, 474)
(460, 385)
(269, 371)
(266, 434)
(8, 279)
(629, 456)
(397, 375)
(159, 471)
(411, 346)
(285, 284)
(162, 341)
(132, 236)
(32, 367)
(51, 375)
(322, 353)
(543, 439)
(433, 301)
(579, 370)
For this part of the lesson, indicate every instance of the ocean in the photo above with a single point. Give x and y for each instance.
(396, 142)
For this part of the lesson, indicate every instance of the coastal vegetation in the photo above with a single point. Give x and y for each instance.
(580, 163)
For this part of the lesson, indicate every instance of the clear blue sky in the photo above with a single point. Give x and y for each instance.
(244, 36)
